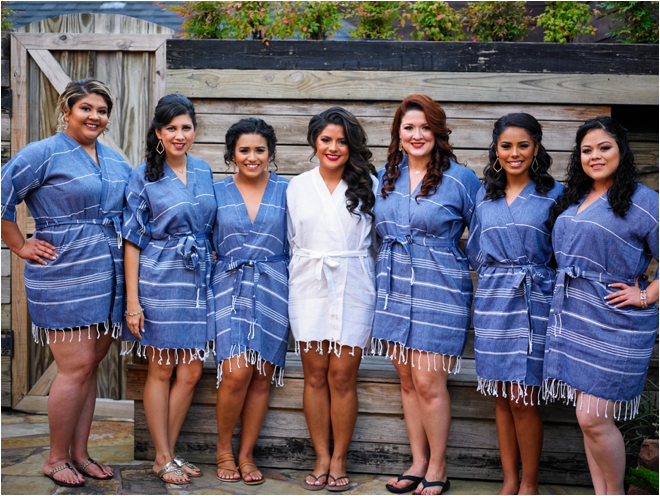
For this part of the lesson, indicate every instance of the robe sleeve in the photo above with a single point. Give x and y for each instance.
(652, 242)
(137, 228)
(473, 245)
(471, 184)
(19, 178)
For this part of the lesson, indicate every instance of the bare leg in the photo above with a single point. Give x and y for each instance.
(606, 452)
(254, 413)
(419, 445)
(231, 400)
(430, 379)
(342, 379)
(68, 395)
(79, 451)
(156, 398)
(181, 394)
(316, 405)
(508, 443)
(529, 435)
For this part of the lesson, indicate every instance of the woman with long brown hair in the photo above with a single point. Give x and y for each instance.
(425, 201)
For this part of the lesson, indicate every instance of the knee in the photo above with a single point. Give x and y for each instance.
(316, 378)
(260, 383)
(429, 390)
(79, 371)
(189, 376)
(342, 382)
(234, 383)
(407, 384)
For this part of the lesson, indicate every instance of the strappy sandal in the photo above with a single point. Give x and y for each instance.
(169, 468)
(222, 459)
(64, 466)
(89, 462)
(256, 469)
(182, 463)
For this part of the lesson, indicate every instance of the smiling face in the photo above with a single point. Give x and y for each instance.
(177, 137)
(332, 148)
(251, 155)
(87, 119)
(600, 157)
(516, 151)
(416, 136)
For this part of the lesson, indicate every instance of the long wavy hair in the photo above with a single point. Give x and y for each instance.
(441, 154)
(495, 182)
(76, 91)
(169, 107)
(578, 184)
(250, 125)
(358, 170)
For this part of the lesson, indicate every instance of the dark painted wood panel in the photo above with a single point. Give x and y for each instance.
(601, 58)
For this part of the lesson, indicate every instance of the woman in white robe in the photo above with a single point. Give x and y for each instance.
(331, 284)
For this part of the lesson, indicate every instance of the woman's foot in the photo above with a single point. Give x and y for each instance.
(407, 481)
(250, 473)
(227, 470)
(319, 476)
(93, 469)
(170, 473)
(189, 469)
(63, 474)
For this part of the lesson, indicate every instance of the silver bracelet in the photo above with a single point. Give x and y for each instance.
(133, 314)
(642, 298)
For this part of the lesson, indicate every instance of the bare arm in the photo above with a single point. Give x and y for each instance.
(29, 249)
(131, 274)
(629, 295)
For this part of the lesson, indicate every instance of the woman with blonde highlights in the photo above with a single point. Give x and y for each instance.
(74, 277)
(424, 287)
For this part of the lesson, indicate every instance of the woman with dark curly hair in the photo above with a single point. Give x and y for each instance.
(169, 213)
(250, 287)
(425, 202)
(509, 245)
(331, 284)
(604, 320)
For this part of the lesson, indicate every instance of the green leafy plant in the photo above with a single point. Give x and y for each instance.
(496, 21)
(307, 20)
(563, 21)
(643, 478)
(434, 21)
(224, 20)
(636, 22)
(376, 20)
(7, 25)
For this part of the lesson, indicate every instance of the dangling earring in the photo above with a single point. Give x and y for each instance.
(160, 148)
(400, 146)
(66, 123)
(535, 165)
(497, 162)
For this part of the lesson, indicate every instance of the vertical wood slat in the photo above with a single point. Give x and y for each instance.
(19, 314)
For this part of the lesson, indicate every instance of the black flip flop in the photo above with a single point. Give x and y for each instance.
(414, 482)
(64, 466)
(89, 462)
(444, 485)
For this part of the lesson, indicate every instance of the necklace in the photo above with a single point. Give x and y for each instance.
(180, 171)
(418, 172)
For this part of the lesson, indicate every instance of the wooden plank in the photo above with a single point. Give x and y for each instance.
(20, 318)
(6, 316)
(379, 55)
(109, 375)
(5, 398)
(5, 369)
(135, 97)
(116, 409)
(51, 69)
(6, 262)
(6, 290)
(249, 107)
(5, 126)
(160, 73)
(466, 133)
(442, 86)
(42, 386)
(123, 42)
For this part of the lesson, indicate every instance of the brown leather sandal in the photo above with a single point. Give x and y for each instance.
(223, 459)
(256, 469)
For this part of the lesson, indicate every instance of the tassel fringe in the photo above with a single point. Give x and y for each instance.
(146, 351)
(41, 335)
(379, 347)
(250, 357)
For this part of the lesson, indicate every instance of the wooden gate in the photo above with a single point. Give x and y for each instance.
(129, 55)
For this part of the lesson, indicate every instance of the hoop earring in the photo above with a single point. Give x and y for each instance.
(535, 165)
(160, 148)
(497, 162)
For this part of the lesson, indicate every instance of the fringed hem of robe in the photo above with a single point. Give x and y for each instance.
(41, 334)
(250, 357)
(489, 387)
(334, 347)
(554, 388)
(142, 351)
(405, 353)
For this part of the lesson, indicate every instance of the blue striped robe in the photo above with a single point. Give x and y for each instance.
(509, 246)
(250, 277)
(592, 346)
(76, 205)
(171, 224)
(424, 306)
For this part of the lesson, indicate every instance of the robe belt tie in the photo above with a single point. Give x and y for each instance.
(114, 221)
(189, 246)
(326, 263)
(564, 277)
(405, 241)
(259, 265)
(524, 278)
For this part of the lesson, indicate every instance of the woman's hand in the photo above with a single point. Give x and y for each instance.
(628, 296)
(135, 320)
(34, 249)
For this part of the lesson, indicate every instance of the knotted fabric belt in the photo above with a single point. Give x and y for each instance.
(106, 221)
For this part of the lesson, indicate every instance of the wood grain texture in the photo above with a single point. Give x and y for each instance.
(123, 42)
(5, 391)
(378, 55)
(442, 86)
(6, 316)
(115, 409)
(42, 386)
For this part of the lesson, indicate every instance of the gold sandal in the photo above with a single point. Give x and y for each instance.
(223, 459)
